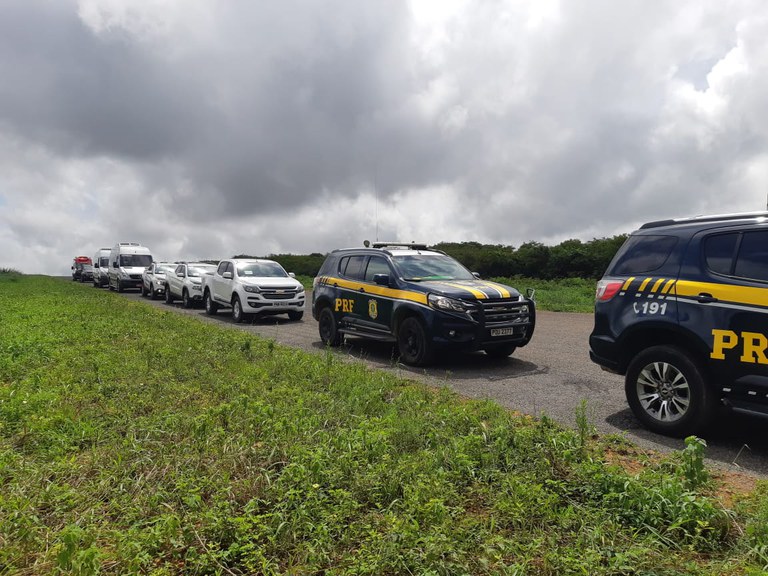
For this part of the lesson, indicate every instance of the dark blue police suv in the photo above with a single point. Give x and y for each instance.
(682, 313)
(420, 298)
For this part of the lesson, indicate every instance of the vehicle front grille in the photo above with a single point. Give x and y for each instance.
(279, 293)
(135, 276)
(504, 311)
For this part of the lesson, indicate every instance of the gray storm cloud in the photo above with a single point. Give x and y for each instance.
(208, 128)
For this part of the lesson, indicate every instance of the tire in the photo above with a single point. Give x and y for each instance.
(237, 310)
(168, 295)
(143, 290)
(667, 392)
(415, 349)
(210, 306)
(152, 292)
(329, 331)
(119, 286)
(295, 315)
(500, 350)
(186, 301)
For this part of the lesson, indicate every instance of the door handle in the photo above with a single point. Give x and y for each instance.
(705, 298)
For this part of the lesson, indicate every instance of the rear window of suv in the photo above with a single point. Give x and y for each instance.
(643, 254)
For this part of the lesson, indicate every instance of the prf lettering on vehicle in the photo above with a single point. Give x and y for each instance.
(753, 345)
(344, 304)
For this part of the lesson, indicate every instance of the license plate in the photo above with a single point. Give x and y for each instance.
(502, 331)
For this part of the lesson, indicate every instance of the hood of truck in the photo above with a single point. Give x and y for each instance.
(271, 282)
(466, 289)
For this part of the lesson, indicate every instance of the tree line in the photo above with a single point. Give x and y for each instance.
(569, 259)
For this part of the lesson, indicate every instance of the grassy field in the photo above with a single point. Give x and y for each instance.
(561, 295)
(136, 440)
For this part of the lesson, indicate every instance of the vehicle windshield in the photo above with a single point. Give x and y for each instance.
(419, 267)
(261, 269)
(164, 269)
(135, 260)
(104, 261)
(197, 271)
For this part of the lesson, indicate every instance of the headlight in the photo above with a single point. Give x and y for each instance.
(254, 289)
(449, 304)
(524, 310)
(197, 287)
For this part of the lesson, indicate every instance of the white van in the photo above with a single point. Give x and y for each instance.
(127, 260)
(101, 267)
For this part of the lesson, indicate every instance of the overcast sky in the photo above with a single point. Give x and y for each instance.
(208, 128)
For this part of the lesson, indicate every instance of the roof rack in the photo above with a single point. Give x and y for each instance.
(411, 245)
(709, 218)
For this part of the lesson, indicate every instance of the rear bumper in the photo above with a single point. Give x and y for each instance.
(604, 352)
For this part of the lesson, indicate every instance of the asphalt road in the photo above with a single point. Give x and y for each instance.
(552, 375)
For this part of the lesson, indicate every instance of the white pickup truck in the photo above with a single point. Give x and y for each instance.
(185, 282)
(250, 287)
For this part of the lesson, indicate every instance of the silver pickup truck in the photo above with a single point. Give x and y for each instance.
(253, 287)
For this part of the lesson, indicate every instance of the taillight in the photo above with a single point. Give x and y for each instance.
(607, 289)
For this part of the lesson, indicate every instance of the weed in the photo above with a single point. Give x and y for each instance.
(692, 465)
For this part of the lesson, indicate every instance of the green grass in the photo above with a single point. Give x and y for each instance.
(561, 295)
(136, 440)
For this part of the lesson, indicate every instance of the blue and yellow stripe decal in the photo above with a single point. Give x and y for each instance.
(480, 289)
(747, 295)
(726, 294)
(649, 287)
(411, 295)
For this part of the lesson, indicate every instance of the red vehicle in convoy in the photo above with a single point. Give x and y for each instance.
(82, 268)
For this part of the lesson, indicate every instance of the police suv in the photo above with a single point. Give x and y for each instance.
(420, 298)
(682, 312)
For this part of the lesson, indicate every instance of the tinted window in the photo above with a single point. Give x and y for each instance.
(222, 268)
(353, 267)
(641, 254)
(752, 261)
(376, 265)
(719, 251)
(431, 267)
(135, 260)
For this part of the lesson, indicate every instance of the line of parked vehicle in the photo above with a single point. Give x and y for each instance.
(245, 286)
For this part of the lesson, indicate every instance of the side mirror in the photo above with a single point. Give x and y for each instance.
(531, 294)
(96, 265)
(180, 274)
(381, 279)
(114, 265)
(291, 274)
(227, 275)
(476, 275)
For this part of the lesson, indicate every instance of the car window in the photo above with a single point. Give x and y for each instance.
(197, 271)
(353, 267)
(431, 267)
(719, 251)
(752, 261)
(376, 265)
(643, 254)
(262, 269)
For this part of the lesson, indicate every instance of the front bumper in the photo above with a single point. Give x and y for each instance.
(453, 331)
(257, 303)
